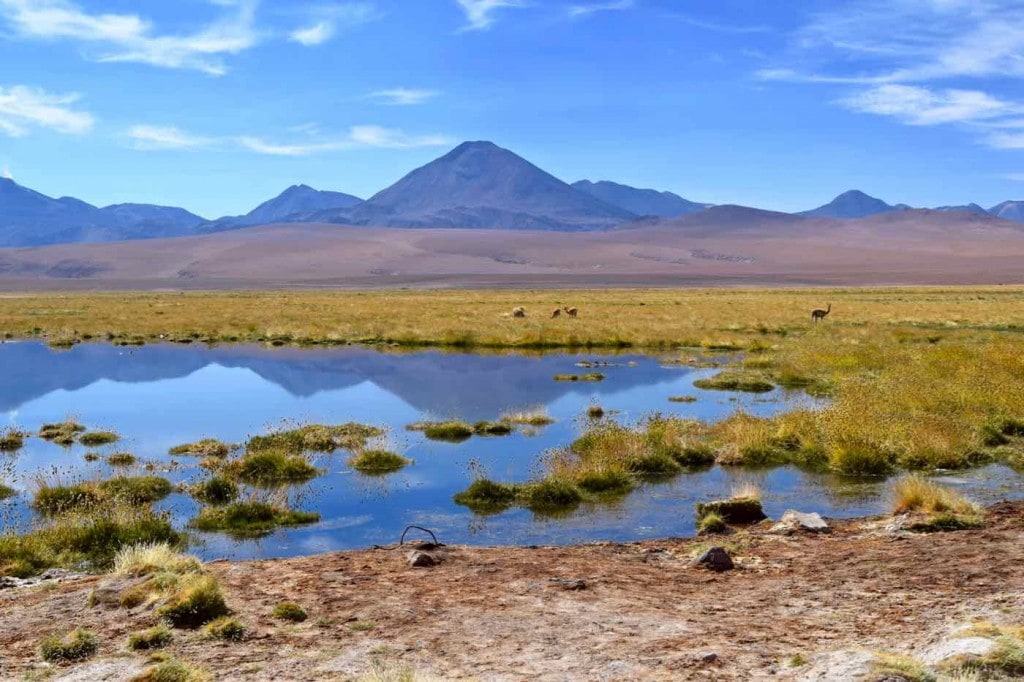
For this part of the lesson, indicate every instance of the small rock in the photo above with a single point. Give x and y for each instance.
(793, 521)
(716, 559)
(710, 657)
(570, 583)
(963, 647)
(418, 559)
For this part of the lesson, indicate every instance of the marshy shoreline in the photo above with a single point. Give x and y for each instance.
(865, 595)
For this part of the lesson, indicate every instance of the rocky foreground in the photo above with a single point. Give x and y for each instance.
(847, 603)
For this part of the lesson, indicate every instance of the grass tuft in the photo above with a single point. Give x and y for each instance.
(533, 417)
(289, 610)
(155, 637)
(207, 447)
(271, 467)
(487, 497)
(196, 601)
(76, 645)
(94, 438)
(735, 381)
(225, 628)
(215, 490)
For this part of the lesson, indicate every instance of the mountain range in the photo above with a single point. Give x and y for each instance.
(476, 185)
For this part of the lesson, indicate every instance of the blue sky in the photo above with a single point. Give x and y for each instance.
(216, 105)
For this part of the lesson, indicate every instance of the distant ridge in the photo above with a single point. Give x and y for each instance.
(475, 185)
(851, 204)
(298, 203)
(29, 218)
(641, 202)
(481, 185)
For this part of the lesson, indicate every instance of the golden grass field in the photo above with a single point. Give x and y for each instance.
(657, 318)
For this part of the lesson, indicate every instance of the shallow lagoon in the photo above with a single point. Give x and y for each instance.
(159, 396)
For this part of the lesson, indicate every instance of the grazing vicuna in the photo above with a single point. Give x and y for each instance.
(556, 312)
(571, 312)
(819, 314)
(519, 312)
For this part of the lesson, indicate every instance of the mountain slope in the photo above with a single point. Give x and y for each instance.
(29, 218)
(1009, 210)
(639, 201)
(479, 184)
(851, 204)
(296, 204)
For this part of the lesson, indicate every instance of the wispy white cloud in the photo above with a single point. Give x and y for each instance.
(1016, 177)
(583, 10)
(480, 13)
(357, 137)
(327, 20)
(716, 26)
(921, 106)
(6, 173)
(23, 108)
(311, 142)
(160, 138)
(402, 96)
(1005, 140)
(131, 38)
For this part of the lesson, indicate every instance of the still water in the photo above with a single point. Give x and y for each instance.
(156, 397)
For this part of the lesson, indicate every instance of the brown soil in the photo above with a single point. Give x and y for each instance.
(509, 613)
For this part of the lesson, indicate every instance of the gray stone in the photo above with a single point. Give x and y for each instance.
(838, 666)
(418, 559)
(793, 521)
(963, 647)
(716, 559)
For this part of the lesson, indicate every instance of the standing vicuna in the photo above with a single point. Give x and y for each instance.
(819, 314)
(556, 312)
(571, 312)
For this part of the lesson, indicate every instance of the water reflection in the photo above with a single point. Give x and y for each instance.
(161, 396)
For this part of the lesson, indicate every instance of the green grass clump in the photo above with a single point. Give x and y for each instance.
(487, 497)
(250, 519)
(595, 411)
(76, 645)
(136, 490)
(170, 669)
(196, 601)
(451, 431)
(7, 491)
(11, 440)
(682, 398)
(605, 482)
(944, 508)
(58, 499)
(590, 376)
(62, 433)
(215, 490)
(271, 467)
(225, 628)
(535, 417)
(316, 438)
(550, 495)
(121, 459)
(207, 447)
(486, 428)
(94, 438)
(654, 465)
(155, 637)
(376, 462)
(893, 666)
(147, 558)
(735, 381)
(92, 540)
(289, 610)
(711, 523)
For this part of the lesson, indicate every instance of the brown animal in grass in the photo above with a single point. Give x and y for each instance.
(556, 312)
(820, 314)
(519, 312)
(571, 312)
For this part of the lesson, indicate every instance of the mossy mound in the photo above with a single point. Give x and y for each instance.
(76, 645)
(207, 447)
(736, 381)
(738, 510)
(271, 467)
(216, 490)
(250, 519)
(487, 497)
(377, 462)
(485, 428)
(451, 431)
(316, 438)
(197, 601)
(289, 610)
(94, 438)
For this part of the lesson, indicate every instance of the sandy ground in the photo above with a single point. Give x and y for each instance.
(642, 611)
(722, 248)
